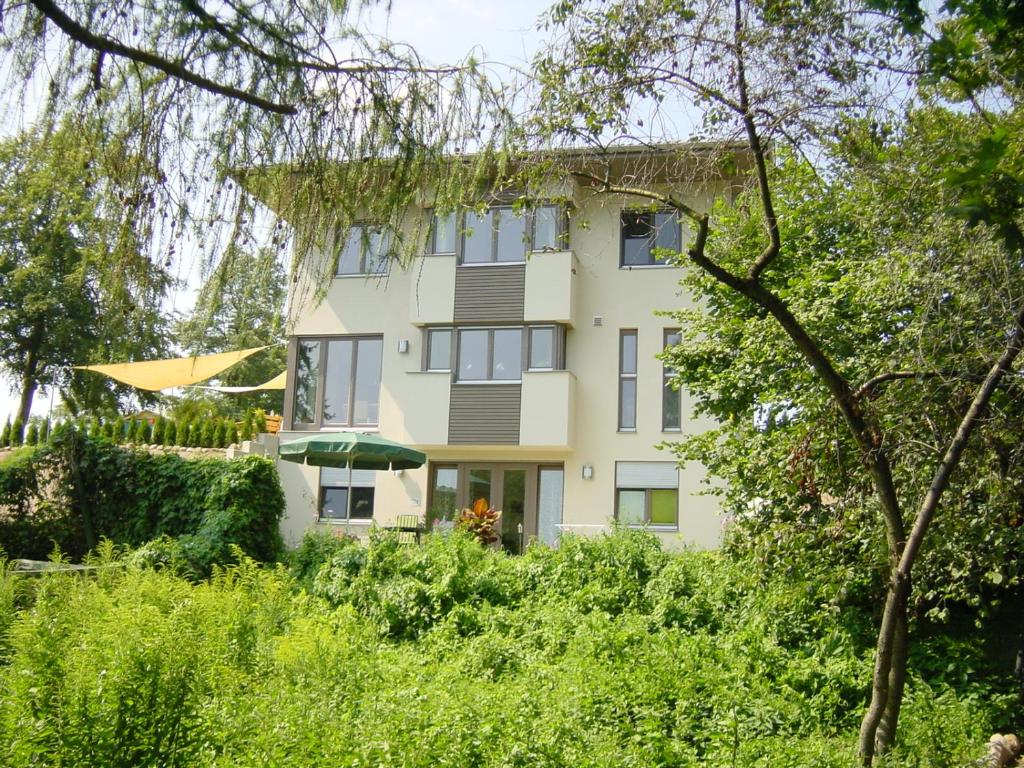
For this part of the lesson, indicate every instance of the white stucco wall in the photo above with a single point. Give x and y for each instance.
(571, 287)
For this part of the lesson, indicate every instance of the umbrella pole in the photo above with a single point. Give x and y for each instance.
(348, 496)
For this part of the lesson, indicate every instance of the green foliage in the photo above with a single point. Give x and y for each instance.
(170, 433)
(118, 430)
(17, 432)
(184, 427)
(259, 422)
(44, 430)
(888, 282)
(52, 496)
(159, 427)
(710, 661)
(241, 306)
(32, 435)
(206, 434)
(74, 287)
(5, 435)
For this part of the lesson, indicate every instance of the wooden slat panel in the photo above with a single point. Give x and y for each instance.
(484, 414)
(490, 294)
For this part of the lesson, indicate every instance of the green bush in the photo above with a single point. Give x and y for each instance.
(75, 489)
(503, 664)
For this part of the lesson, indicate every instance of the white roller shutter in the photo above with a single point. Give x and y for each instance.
(361, 478)
(646, 474)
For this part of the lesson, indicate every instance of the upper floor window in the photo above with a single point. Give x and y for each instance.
(647, 235)
(337, 382)
(671, 401)
(627, 380)
(365, 251)
(494, 354)
(490, 354)
(499, 234)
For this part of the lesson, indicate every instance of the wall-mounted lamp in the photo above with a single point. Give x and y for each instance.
(403, 346)
(588, 472)
(398, 472)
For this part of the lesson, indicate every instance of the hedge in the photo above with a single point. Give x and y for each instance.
(77, 489)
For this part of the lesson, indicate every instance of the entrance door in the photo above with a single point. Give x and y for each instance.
(513, 490)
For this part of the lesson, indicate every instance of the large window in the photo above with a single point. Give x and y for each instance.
(647, 235)
(490, 354)
(671, 402)
(494, 354)
(499, 234)
(627, 381)
(335, 490)
(337, 382)
(647, 493)
(365, 251)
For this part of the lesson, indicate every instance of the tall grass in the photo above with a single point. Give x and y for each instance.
(606, 652)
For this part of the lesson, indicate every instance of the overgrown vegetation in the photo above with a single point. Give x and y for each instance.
(70, 492)
(605, 652)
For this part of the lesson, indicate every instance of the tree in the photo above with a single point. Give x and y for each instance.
(785, 75)
(73, 287)
(240, 306)
(199, 93)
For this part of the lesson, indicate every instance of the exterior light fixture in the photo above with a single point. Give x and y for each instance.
(403, 346)
(588, 472)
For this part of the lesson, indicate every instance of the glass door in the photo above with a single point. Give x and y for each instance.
(513, 510)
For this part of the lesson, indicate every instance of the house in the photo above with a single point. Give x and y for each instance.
(518, 351)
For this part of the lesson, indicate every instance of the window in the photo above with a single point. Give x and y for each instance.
(490, 354)
(645, 231)
(627, 380)
(442, 233)
(439, 349)
(501, 234)
(671, 401)
(335, 489)
(647, 493)
(494, 354)
(542, 349)
(443, 491)
(365, 251)
(337, 382)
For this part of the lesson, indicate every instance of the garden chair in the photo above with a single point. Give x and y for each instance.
(409, 529)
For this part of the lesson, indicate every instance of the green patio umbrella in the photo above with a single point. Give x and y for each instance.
(355, 450)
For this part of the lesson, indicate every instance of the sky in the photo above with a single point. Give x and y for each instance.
(502, 35)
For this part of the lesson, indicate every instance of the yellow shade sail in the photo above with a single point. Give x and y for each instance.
(275, 383)
(178, 372)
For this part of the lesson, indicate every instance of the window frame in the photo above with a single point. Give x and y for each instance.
(530, 226)
(318, 422)
(432, 238)
(363, 250)
(557, 347)
(324, 486)
(667, 372)
(624, 376)
(651, 237)
(489, 365)
(648, 492)
(455, 354)
(428, 348)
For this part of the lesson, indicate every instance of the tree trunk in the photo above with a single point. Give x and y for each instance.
(885, 736)
(29, 381)
(28, 387)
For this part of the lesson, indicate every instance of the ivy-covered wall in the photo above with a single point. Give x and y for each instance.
(75, 489)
